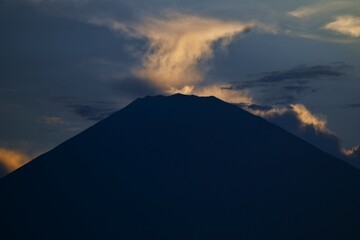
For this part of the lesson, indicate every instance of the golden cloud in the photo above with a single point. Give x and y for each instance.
(222, 92)
(270, 112)
(12, 159)
(177, 45)
(304, 115)
(309, 118)
(346, 25)
(351, 152)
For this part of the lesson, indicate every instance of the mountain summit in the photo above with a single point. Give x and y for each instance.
(182, 167)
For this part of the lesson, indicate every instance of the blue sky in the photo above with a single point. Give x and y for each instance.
(66, 64)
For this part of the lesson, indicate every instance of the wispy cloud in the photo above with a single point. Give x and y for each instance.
(286, 86)
(315, 9)
(111, 23)
(346, 25)
(178, 45)
(353, 153)
(225, 93)
(304, 115)
(95, 112)
(309, 118)
(53, 120)
(313, 19)
(306, 72)
(305, 11)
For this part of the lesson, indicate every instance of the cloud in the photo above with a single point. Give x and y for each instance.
(178, 46)
(111, 23)
(224, 93)
(315, 9)
(53, 120)
(305, 117)
(310, 21)
(11, 160)
(354, 153)
(286, 86)
(300, 121)
(346, 25)
(305, 11)
(308, 118)
(302, 73)
(353, 156)
(353, 105)
(92, 112)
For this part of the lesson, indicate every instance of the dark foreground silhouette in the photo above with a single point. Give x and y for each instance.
(180, 168)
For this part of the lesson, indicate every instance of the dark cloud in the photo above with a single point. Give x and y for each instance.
(285, 87)
(95, 112)
(283, 99)
(299, 89)
(353, 105)
(256, 107)
(304, 73)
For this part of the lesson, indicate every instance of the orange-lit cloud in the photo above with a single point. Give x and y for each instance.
(220, 91)
(178, 44)
(11, 159)
(309, 118)
(352, 153)
(225, 94)
(304, 115)
(271, 112)
(346, 25)
(311, 127)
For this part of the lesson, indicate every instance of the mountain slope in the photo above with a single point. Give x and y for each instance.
(182, 167)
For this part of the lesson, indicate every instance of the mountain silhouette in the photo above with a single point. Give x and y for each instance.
(182, 167)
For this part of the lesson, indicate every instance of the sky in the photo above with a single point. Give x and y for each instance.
(66, 64)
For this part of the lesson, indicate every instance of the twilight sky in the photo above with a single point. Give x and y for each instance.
(65, 64)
